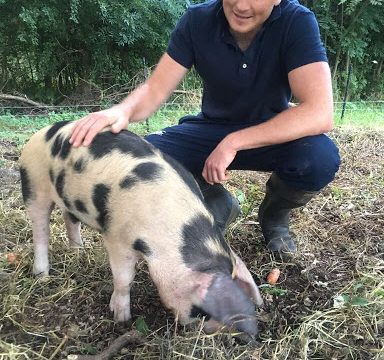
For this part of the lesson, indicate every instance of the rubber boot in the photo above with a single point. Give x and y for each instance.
(274, 213)
(224, 207)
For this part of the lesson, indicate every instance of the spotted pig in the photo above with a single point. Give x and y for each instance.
(145, 205)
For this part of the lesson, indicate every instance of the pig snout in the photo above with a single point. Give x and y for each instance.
(229, 308)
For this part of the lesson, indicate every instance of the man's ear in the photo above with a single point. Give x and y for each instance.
(244, 280)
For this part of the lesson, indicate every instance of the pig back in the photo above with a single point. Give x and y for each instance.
(119, 181)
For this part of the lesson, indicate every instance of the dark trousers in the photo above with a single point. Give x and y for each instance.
(309, 163)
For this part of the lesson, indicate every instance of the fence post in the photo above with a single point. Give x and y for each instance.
(145, 71)
(346, 90)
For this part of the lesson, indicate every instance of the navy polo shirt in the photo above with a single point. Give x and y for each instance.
(248, 86)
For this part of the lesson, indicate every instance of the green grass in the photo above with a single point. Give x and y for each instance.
(360, 114)
(20, 128)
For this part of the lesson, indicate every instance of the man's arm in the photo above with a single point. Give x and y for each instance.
(137, 106)
(311, 85)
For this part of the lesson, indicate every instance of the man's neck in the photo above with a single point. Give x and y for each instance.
(244, 40)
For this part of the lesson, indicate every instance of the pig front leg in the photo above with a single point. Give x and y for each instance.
(39, 213)
(122, 260)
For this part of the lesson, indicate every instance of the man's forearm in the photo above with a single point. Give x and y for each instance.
(140, 104)
(292, 124)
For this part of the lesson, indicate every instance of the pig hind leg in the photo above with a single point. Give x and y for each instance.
(122, 260)
(72, 225)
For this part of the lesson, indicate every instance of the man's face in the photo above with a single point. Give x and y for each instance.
(245, 17)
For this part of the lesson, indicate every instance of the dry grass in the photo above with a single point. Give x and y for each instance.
(328, 304)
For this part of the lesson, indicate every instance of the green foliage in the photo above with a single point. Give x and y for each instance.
(275, 290)
(46, 48)
(141, 325)
(352, 31)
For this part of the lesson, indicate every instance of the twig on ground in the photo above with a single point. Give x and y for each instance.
(23, 99)
(130, 338)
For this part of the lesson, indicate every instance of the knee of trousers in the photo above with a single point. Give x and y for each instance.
(173, 148)
(311, 165)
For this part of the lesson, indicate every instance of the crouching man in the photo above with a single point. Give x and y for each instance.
(252, 57)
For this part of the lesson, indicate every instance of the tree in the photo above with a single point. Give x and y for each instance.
(352, 31)
(47, 47)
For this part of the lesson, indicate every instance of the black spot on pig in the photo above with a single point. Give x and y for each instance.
(79, 165)
(73, 218)
(148, 171)
(187, 177)
(125, 142)
(67, 203)
(213, 263)
(128, 182)
(60, 182)
(54, 129)
(26, 189)
(142, 246)
(195, 251)
(80, 206)
(51, 176)
(65, 149)
(61, 147)
(59, 185)
(197, 312)
(100, 200)
(57, 144)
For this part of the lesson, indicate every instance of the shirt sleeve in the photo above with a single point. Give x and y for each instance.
(180, 47)
(303, 44)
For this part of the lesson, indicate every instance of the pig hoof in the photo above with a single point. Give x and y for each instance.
(76, 245)
(76, 242)
(40, 273)
(120, 306)
(43, 279)
(122, 316)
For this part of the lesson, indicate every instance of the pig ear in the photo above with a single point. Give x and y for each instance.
(244, 280)
(229, 305)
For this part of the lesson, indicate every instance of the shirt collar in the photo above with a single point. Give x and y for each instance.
(275, 14)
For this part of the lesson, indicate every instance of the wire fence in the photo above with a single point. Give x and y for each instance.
(351, 112)
(374, 105)
(17, 124)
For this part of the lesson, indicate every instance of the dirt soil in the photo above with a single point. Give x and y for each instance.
(327, 304)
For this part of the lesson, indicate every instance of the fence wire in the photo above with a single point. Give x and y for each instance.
(374, 105)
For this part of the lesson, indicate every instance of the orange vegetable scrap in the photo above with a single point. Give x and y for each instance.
(13, 258)
(273, 276)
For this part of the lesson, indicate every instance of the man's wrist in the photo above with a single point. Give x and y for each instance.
(232, 142)
(122, 110)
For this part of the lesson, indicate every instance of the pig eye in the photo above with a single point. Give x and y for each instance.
(198, 312)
